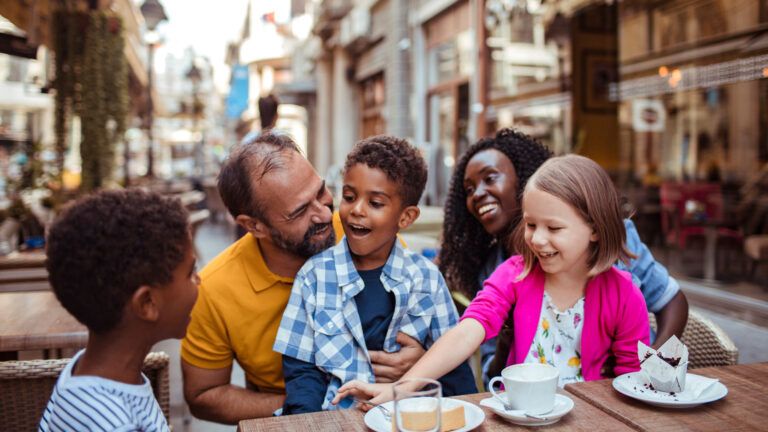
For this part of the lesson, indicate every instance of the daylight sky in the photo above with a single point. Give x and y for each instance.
(205, 25)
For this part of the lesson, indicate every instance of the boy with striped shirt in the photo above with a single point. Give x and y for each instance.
(123, 264)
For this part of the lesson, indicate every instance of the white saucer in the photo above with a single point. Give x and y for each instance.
(473, 414)
(563, 405)
(633, 385)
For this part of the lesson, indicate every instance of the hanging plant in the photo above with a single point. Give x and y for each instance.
(94, 117)
(117, 81)
(67, 29)
(92, 82)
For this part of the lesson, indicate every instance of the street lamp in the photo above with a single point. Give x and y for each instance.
(195, 76)
(154, 14)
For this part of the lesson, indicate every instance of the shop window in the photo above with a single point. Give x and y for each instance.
(373, 98)
(451, 59)
(680, 23)
(526, 49)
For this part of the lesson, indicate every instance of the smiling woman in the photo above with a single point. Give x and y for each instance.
(490, 183)
(483, 206)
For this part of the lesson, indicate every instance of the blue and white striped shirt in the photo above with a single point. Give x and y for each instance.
(91, 403)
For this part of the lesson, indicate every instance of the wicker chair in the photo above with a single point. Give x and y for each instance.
(26, 386)
(708, 345)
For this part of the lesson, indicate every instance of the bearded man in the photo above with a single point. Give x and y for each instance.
(275, 194)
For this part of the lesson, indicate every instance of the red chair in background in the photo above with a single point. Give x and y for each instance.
(694, 210)
(688, 208)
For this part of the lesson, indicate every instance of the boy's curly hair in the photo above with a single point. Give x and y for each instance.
(400, 161)
(105, 246)
(465, 243)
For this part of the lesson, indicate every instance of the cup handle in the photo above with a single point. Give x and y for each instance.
(493, 391)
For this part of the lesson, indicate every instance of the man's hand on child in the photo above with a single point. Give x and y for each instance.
(374, 394)
(390, 367)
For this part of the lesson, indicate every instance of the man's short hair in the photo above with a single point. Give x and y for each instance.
(249, 162)
(105, 246)
(400, 161)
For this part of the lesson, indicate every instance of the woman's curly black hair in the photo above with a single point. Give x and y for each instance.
(105, 246)
(466, 245)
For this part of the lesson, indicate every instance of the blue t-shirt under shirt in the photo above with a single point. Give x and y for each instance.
(375, 306)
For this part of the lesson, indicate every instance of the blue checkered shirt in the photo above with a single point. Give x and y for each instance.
(321, 324)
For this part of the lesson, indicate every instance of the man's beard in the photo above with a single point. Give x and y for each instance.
(304, 248)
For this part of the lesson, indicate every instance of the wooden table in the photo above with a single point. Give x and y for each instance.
(14, 260)
(583, 417)
(744, 408)
(23, 271)
(35, 320)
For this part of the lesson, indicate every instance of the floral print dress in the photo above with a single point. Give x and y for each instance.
(558, 340)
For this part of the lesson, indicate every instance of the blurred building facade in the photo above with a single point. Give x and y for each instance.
(27, 106)
(26, 111)
(189, 125)
(671, 97)
(272, 50)
(645, 88)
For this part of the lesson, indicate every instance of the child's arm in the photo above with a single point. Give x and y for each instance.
(460, 380)
(305, 386)
(453, 348)
(632, 326)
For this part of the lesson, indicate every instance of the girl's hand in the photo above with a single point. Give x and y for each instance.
(376, 394)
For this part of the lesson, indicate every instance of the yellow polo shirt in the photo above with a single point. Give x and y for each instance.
(238, 312)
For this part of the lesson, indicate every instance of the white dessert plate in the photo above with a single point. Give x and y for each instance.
(374, 419)
(698, 390)
(563, 405)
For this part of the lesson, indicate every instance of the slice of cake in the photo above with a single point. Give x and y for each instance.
(452, 416)
(418, 419)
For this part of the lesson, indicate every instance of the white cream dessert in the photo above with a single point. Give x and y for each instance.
(664, 370)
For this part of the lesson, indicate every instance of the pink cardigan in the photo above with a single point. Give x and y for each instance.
(615, 315)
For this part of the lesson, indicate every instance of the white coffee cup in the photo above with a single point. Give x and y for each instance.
(530, 387)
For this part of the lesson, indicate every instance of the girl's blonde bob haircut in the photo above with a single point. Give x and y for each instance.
(585, 186)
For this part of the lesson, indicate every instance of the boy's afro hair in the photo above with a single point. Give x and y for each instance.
(105, 246)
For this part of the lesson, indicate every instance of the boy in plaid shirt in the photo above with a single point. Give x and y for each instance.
(357, 295)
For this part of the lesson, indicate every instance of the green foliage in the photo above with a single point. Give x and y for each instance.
(92, 82)
(18, 210)
(32, 173)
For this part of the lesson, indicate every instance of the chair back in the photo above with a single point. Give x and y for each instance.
(26, 387)
(708, 345)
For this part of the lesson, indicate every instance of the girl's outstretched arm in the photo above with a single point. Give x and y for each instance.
(454, 347)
